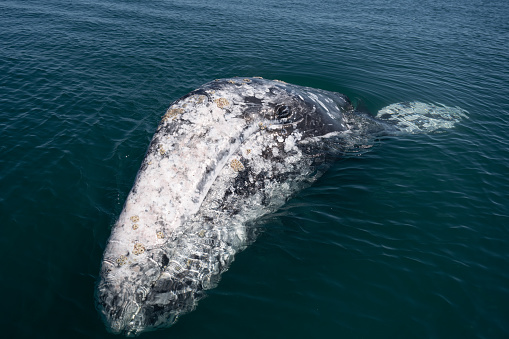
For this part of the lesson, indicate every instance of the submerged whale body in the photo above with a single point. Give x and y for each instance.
(223, 156)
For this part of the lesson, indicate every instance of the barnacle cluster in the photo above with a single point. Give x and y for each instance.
(236, 165)
(122, 260)
(135, 219)
(138, 248)
(221, 102)
(160, 235)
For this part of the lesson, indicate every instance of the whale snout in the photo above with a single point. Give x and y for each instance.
(123, 314)
(130, 312)
(118, 309)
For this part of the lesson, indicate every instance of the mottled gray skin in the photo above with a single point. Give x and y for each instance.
(250, 144)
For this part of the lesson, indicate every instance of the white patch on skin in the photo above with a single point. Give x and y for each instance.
(290, 142)
(275, 151)
(315, 98)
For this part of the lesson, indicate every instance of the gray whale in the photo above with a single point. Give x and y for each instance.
(223, 156)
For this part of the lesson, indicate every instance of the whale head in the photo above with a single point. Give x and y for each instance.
(223, 156)
(163, 251)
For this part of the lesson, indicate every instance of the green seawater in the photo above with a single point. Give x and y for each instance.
(408, 240)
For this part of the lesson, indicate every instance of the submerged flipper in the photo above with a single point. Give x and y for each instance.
(418, 117)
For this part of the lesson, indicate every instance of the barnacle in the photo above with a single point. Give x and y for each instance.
(160, 235)
(138, 248)
(247, 80)
(172, 113)
(236, 165)
(122, 260)
(135, 226)
(161, 150)
(221, 102)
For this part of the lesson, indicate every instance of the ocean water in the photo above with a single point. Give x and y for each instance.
(409, 240)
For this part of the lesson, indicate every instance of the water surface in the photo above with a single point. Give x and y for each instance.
(408, 240)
